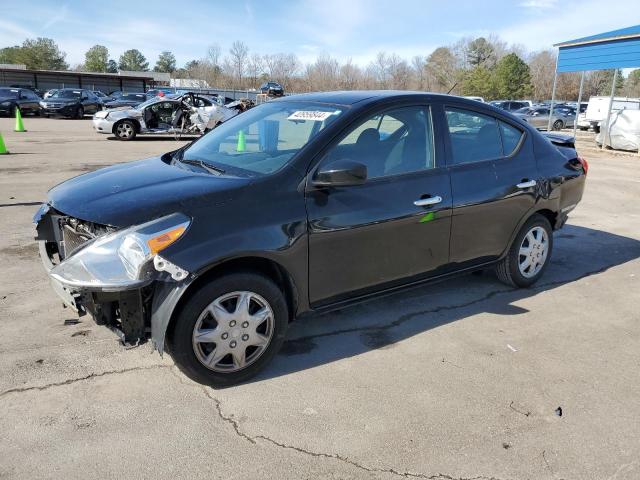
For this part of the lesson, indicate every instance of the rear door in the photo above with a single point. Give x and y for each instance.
(493, 180)
(396, 225)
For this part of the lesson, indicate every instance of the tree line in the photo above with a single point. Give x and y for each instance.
(483, 66)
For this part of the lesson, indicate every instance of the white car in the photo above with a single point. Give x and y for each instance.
(186, 114)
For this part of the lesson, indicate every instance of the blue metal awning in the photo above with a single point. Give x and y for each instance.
(615, 49)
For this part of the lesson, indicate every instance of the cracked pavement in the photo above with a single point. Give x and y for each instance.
(458, 380)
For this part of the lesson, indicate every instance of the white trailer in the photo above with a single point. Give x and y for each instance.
(599, 106)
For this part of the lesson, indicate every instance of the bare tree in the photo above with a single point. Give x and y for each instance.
(351, 76)
(237, 61)
(418, 64)
(542, 67)
(255, 69)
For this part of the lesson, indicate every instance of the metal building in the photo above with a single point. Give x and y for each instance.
(47, 79)
(604, 51)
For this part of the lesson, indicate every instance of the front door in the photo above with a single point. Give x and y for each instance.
(396, 225)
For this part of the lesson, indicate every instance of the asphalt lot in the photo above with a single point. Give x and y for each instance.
(459, 380)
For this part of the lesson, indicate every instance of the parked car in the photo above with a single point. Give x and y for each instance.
(71, 103)
(539, 117)
(273, 89)
(186, 114)
(18, 98)
(511, 105)
(104, 98)
(300, 205)
(128, 100)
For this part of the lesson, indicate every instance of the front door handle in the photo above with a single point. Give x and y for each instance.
(425, 202)
(527, 184)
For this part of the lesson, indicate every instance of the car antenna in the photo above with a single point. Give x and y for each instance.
(451, 89)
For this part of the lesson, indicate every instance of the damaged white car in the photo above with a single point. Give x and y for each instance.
(188, 114)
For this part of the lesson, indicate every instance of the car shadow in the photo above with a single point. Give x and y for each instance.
(157, 138)
(324, 338)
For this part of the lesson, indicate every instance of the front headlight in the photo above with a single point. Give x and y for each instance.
(124, 259)
(101, 114)
(43, 104)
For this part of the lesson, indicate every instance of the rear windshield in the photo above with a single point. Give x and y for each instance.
(263, 139)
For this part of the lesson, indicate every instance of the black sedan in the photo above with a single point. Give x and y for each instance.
(71, 103)
(272, 89)
(300, 205)
(18, 98)
(128, 100)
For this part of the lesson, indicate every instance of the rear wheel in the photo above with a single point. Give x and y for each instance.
(80, 112)
(125, 130)
(229, 330)
(529, 253)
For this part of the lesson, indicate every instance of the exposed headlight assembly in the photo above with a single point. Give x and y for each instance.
(124, 259)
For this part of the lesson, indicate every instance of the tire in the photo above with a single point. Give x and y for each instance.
(557, 125)
(583, 129)
(509, 269)
(229, 325)
(596, 129)
(79, 112)
(125, 130)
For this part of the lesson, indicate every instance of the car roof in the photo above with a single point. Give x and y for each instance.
(363, 97)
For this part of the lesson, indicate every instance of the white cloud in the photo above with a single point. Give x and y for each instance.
(539, 4)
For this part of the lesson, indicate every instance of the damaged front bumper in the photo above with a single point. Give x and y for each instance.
(117, 276)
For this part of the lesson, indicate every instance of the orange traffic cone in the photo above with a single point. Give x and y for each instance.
(19, 125)
(3, 148)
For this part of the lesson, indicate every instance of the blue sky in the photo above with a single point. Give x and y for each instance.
(354, 29)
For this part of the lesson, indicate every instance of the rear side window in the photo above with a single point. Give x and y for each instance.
(474, 136)
(510, 137)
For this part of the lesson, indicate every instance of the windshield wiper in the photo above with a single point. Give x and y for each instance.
(201, 163)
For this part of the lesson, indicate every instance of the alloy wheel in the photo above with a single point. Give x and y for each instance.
(533, 252)
(233, 331)
(124, 130)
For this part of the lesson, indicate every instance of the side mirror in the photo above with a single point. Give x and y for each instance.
(340, 173)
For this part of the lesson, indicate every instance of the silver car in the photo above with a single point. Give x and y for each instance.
(539, 117)
(188, 114)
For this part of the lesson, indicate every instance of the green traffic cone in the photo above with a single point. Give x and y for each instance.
(19, 125)
(242, 143)
(3, 148)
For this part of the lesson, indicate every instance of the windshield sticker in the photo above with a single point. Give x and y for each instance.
(315, 116)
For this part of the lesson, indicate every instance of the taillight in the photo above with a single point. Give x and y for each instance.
(583, 162)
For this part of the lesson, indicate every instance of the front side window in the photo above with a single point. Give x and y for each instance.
(263, 139)
(391, 143)
(474, 136)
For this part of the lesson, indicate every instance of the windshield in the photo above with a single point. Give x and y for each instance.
(263, 139)
(67, 94)
(9, 92)
(523, 110)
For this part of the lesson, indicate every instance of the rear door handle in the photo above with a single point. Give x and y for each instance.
(527, 184)
(425, 202)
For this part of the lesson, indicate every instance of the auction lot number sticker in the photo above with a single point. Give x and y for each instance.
(315, 116)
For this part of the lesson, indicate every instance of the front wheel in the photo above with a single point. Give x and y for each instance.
(125, 130)
(528, 255)
(229, 330)
(80, 112)
(557, 125)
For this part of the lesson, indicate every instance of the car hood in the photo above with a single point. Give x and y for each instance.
(135, 192)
